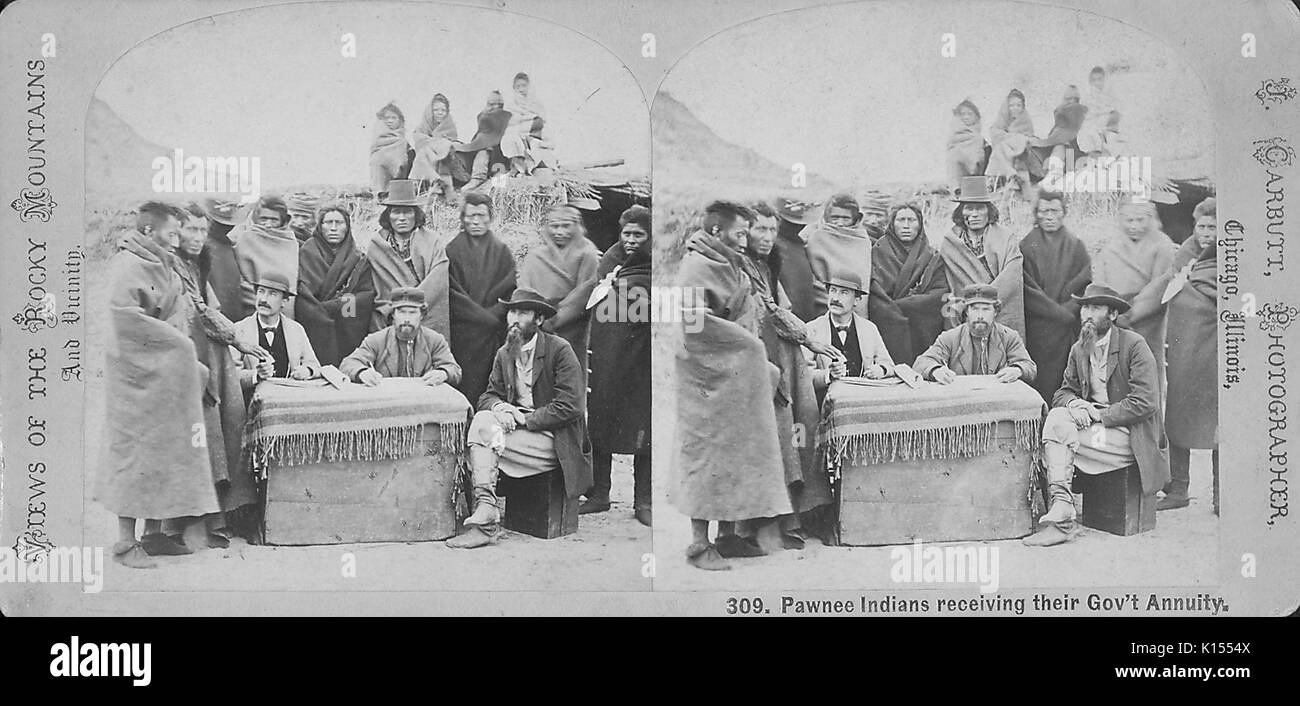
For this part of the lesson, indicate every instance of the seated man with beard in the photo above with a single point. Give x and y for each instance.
(980, 346)
(530, 420)
(406, 349)
(1106, 416)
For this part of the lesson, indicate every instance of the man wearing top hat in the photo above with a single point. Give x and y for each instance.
(407, 349)
(979, 346)
(857, 339)
(978, 250)
(530, 420)
(1106, 414)
(406, 253)
(286, 340)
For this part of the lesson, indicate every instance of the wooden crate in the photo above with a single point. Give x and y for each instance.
(1114, 502)
(537, 505)
(939, 500)
(394, 500)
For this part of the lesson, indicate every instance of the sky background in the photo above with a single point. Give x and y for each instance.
(860, 94)
(272, 83)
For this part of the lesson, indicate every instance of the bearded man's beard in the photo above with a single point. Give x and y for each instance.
(405, 332)
(514, 342)
(1088, 336)
(980, 328)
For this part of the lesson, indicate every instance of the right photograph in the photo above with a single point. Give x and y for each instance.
(936, 305)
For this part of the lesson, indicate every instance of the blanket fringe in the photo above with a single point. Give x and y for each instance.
(357, 444)
(961, 441)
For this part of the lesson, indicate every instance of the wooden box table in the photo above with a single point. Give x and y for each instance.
(938, 463)
(358, 464)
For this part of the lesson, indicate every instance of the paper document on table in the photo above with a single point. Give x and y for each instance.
(870, 382)
(976, 382)
(290, 382)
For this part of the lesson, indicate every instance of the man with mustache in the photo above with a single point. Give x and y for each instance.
(1105, 416)
(531, 418)
(855, 337)
(980, 346)
(406, 349)
(286, 341)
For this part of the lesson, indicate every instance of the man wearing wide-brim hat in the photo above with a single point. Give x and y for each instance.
(796, 273)
(406, 253)
(1106, 415)
(979, 346)
(862, 350)
(218, 255)
(530, 420)
(291, 354)
(979, 250)
(406, 349)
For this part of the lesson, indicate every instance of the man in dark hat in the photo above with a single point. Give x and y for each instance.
(218, 256)
(796, 274)
(980, 346)
(977, 250)
(406, 349)
(530, 420)
(291, 354)
(1106, 415)
(406, 253)
(857, 339)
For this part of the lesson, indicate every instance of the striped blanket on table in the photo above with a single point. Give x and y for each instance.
(881, 424)
(293, 425)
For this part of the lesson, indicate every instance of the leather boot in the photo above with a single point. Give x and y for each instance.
(1179, 479)
(483, 526)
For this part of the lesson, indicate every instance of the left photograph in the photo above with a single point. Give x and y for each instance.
(371, 313)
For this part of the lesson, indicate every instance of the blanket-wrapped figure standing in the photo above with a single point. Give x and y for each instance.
(728, 460)
(388, 150)
(908, 285)
(481, 273)
(1136, 262)
(980, 251)
(563, 269)
(618, 403)
(1192, 420)
(408, 254)
(336, 288)
(837, 242)
(784, 335)
(1056, 267)
(263, 246)
(151, 468)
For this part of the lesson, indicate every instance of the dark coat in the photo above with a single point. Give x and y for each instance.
(1134, 392)
(559, 401)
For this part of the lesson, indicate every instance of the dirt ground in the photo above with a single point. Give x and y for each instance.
(1181, 551)
(604, 555)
